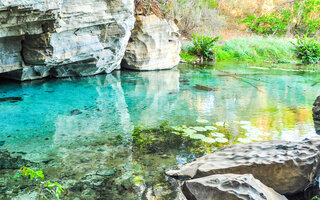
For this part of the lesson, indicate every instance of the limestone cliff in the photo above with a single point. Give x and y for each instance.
(61, 38)
(154, 44)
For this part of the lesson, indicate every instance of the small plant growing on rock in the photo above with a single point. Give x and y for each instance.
(47, 189)
(308, 50)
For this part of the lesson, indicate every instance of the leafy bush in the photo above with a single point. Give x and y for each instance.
(204, 46)
(47, 189)
(308, 50)
(274, 23)
(300, 17)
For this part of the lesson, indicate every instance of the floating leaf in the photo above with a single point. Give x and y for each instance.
(202, 121)
(199, 128)
(218, 135)
(221, 124)
(189, 131)
(222, 140)
(244, 140)
(208, 140)
(197, 136)
(210, 128)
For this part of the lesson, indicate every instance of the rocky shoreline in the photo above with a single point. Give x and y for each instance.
(235, 172)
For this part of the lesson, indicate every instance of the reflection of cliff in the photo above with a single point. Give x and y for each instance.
(153, 96)
(95, 146)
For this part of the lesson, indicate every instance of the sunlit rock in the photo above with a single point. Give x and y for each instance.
(154, 45)
(63, 38)
(287, 167)
(229, 187)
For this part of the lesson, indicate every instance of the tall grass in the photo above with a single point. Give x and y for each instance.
(276, 50)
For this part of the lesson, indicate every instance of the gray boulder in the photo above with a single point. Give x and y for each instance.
(229, 187)
(316, 115)
(287, 167)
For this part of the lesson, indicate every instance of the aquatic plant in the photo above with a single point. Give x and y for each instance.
(46, 189)
(307, 50)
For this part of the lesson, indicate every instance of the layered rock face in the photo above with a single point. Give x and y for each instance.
(230, 187)
(154, 45)
(287, 167)
(61, 38)
(316, 115)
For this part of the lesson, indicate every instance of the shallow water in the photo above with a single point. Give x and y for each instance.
(268, 102)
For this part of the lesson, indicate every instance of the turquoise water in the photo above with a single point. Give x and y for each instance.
(274, 102)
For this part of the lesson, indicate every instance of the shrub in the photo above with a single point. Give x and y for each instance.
(307, 49)
(204, 46)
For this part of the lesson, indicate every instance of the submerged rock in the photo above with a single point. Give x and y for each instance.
(75, 112)
(229, 187)
(154, 45)
(205, 87)
(40, 38)
(11, 99)
(316, 115)
(9, 161)
(287, 167)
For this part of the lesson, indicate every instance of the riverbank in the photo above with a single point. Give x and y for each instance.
(252, 49)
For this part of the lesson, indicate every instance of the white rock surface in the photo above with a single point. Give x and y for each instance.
(62, 38)
(154, 45)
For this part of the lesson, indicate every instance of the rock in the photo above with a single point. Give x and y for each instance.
(10, 99)
(287, 167)
(107, 172)
(316, 115)
(229, 187)
(205, 87)
(9, 161)
(62, 38)
(154, 45)
(75, 112)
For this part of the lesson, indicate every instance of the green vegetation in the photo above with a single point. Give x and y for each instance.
(308, 50)
(47, 190)
(300, 17)
(276, 50)
(203, 47)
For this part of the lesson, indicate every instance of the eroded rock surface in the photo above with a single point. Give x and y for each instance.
(62, 38)
(287, 167)
(229, 186)
(316, 115)
(154, 45)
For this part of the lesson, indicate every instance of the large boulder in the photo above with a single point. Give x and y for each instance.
(316, 115)
(61, 38)
(229, 187)
(154, 44)
(287, 167)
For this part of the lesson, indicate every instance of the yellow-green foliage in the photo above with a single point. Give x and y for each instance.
(277, 50)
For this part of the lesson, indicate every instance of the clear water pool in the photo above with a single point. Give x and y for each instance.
(70, 125)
